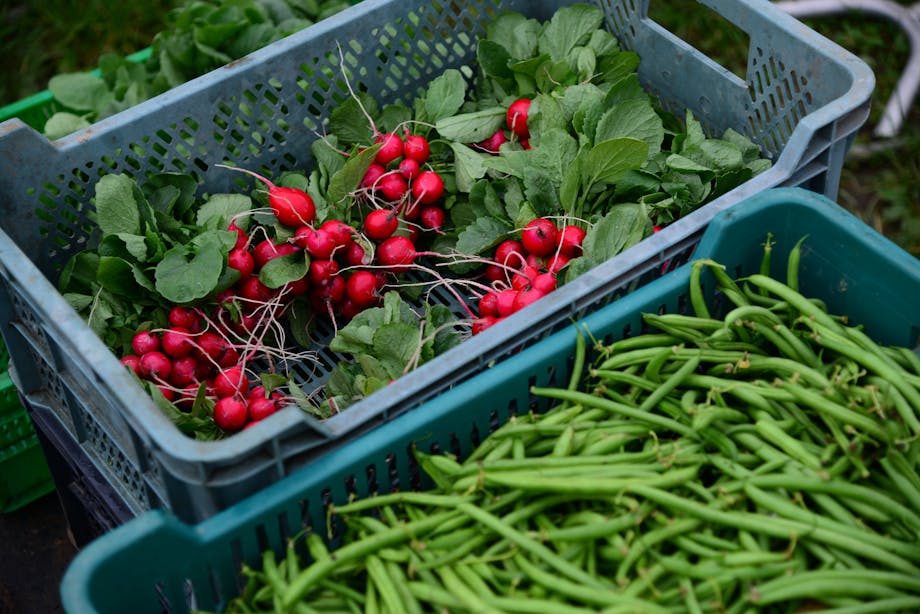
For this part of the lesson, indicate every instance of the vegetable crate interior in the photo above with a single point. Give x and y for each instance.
(617, 473)
(798, 108)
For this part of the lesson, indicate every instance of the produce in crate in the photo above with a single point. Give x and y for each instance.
(199, 36)
(762, 457)
(587, 165)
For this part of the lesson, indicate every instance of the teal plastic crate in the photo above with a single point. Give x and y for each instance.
(24, 473)
(802, 100)
(155, 557)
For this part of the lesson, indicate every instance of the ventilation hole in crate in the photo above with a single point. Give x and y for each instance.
(350, 486)
(475, 437)
(454, 446)
(392, 471)
(371, 474)
(415, 471)
(121, 470)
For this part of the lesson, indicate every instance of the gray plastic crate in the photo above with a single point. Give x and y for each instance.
(802, 100)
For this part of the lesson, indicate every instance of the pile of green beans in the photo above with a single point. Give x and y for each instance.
(764, 460)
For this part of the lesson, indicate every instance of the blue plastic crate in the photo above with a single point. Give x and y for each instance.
(856, 271)
(802, 101)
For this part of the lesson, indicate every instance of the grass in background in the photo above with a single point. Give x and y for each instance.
(41, 38)
(881, 180)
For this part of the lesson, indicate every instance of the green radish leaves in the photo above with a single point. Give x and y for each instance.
(159, 245)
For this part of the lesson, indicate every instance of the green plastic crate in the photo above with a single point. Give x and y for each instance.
(156, 557)
(35, 110)
(24, 473)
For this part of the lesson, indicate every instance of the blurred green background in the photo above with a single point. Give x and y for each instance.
(881, 181)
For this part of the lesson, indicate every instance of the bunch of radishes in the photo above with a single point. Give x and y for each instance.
(524, 270)
(187, 354)
(399, 185)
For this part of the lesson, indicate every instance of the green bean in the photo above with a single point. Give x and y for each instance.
(697, 300)
(844, 491)
(776, 527)
(602, 596)
(430, 593)
(360, 549)
(826, 407)
(579, 363)
(831, 339)
(644, 341)
(616, 408)
(529, 545)
(784, 508)
(821, 583)
(649, 539)
(885, 606)
(792, 264)
(773, 433)
(462, 592)
(531, 605)
(795, 300)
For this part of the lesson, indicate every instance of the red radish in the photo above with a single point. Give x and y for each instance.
(526, 297)
(488, 304)
(480, 324)
(391, 148)
(416, 148)
(525, 143)
(537, 262)
(380, 224)
(132, 361)
(556, 262)
(264, 251)
(168, 393)
(145, 341)
(349, 309)
(330, 293)
(230, 357)
(297, 287)
(371, 176)
(322, 271)
(210, 346)
(505, 303)
(428, 187)
(242, 239)
(524, 277)
(393, 187)
(184, 372)
(516, 117)
(361, 288)
(656, 228)
(544, 282)
(155, 365)
(410, 211)
(186, 317)
(539, 236)
(176, 342)
(354, 255)
(230, 414)
(225, 297)
(187, 396)
(253, 289)
(396, 253)
(495, 272)
(341, 233)
(409, 168)
(242, 261)
(257, 391)
(509, 252)
(570, 239)
(292, 207)
(260, 407)
(432, 217)
(494, 142)
(230, 382)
